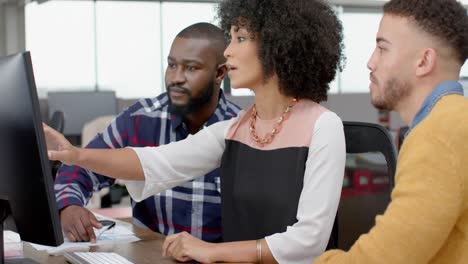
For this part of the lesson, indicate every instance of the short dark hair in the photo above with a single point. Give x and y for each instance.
(207, 31)
(446, 20)
(299, 40)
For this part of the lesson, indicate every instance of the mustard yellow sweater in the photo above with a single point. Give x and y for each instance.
(427, 220)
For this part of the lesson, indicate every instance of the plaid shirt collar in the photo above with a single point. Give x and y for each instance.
(177, 121)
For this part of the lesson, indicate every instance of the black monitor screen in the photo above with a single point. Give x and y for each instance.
(26, 185)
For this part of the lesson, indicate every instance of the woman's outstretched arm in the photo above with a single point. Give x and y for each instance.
(115, 163)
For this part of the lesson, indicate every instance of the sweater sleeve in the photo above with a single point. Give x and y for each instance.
(170, 165)
(426, 203)
(323, 179)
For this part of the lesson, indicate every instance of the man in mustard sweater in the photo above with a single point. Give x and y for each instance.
(421, 47)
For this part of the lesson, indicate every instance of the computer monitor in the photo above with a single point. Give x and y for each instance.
(26, 185)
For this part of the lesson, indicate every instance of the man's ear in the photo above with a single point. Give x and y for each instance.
(220, 73)
(427, 62)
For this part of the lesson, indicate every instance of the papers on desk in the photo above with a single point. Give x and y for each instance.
(118, 234)
(12, 245)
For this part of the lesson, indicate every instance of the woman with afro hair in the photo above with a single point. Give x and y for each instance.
(281, 160)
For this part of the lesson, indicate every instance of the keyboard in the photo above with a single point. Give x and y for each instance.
(95, 258)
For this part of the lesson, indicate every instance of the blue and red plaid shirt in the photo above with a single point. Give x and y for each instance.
(194, 207)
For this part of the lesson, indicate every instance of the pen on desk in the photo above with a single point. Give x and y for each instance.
(106, 227)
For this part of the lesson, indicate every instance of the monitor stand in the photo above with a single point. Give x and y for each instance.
(4, 211)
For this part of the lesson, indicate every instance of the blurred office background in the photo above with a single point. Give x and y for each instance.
(122, 46)
(93, 58)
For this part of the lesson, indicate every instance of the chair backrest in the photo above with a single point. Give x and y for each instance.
(57, 121)
(400, 136)
(93, 127)
(368, 182)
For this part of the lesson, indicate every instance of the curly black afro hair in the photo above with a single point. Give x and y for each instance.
(444, 19)
(299, 40)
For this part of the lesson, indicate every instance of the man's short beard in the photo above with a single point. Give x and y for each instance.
(393, 91)
(194, 104)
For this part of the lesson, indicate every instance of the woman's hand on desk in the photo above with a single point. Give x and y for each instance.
(185, 247)
(58, 147)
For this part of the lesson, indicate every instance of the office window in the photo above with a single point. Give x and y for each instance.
(241, 92)
(123, 45)
(177, 16)
(360, 30)
(60, 36)
(128, 48)
(334, 85)
(248, 92)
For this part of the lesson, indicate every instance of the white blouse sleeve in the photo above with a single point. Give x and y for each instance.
(170, 165)
(318, 203)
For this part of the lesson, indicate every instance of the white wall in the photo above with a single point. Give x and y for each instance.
(2, 31)
(12, 29)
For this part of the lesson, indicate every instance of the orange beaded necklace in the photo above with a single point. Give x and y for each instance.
(268, 138)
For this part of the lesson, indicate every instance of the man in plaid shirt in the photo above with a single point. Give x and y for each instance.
(193, 101)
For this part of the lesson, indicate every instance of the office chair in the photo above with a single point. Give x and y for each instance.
(57, 122)
(400, 136)
(369, 179)
(109, 195)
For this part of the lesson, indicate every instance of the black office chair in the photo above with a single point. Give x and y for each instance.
(400, 136)
(57, 122)
(369, 180)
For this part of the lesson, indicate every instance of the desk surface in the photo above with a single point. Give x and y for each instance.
(148, 250)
